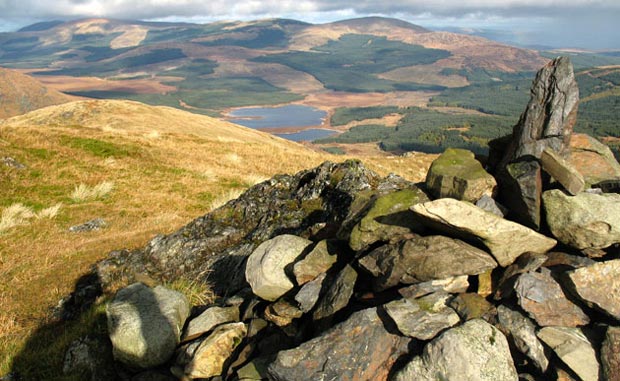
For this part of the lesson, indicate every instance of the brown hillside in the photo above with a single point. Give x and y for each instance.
(20, 94)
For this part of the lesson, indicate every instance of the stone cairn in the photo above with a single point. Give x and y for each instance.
(338, 274)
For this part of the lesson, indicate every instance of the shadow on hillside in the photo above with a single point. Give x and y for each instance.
(77, 316)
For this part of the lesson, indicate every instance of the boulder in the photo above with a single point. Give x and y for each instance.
(543, 299)
(265, 270)
(457, 174)
(388, 217)
(593, 159)
(145, 324)
(522, 332)
(610, 354)
(583, 221)
(209, 319)
(562, 171)
(422, 318)
(475, 351)
(506, 240)
(421, 259)
(215, 350)
(319, 260)
(360, 348)
(574, 349)
(599, 286)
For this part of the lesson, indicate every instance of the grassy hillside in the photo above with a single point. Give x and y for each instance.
(20, 94)
(145, 170)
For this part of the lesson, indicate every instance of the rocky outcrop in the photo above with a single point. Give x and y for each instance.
(337, 273)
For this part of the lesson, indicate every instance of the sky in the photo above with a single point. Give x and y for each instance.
(590, 24)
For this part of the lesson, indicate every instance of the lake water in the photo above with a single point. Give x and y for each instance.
(278, 117)
(308, 135)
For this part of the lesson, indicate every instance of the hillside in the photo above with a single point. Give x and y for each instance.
(207, 68)
(20, 94)
(144, 170)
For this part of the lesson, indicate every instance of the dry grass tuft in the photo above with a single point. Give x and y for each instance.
(198, 293)
(15, 215)
(50, 212)
(83, 192)
(253, 179)
(233, 158)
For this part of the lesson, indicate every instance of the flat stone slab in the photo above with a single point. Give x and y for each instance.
(506, 240)
(599, 286)
(522, 332)
(543, 299)
(574, 349)
(209, 319)
(563, 171)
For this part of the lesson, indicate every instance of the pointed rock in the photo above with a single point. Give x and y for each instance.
(599, 286)
(521, 190)
(309, 293)
(265, 268)
(422, 318)
(610, 354)
(522, 332)
(389, 216)
(457, 174)
(145, 324)
(475, 351)
(543, 299)
(337, 295)
(358, 349)
(421, 259)
(583, 221)
(506, 240)
(574, 349)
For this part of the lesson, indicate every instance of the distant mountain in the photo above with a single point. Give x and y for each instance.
(208, 68)
(20, 94)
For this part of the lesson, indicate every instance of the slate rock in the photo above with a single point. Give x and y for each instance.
(215, 350)
(543, 299)
(319, 260)
(490, 205)
(337, 295)
(145, 324)
(475, 351)
(522, 332)
(562, 171)
(359, 348)
(265, 270)
(457, 174)
(421, 259)
(422, 318)
(593, 159)
(12, 163)
(282, 312)
(599, 286)
(471, 306)
(453, 285)
(506, 240)
(559, 258)
(583, 221)
(309, 293)
(209, 319)
(91, 225)
(610, 354)
(525, 263)
(550, 115)
(574, 349)
(520, 191)
(389, 216)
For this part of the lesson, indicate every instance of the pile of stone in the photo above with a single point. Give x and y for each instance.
(338, 274)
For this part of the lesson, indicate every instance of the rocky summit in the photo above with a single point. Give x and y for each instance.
(336, 273)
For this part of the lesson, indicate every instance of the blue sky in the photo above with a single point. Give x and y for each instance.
(562, 23)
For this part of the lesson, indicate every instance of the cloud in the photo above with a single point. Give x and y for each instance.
(576, 19)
